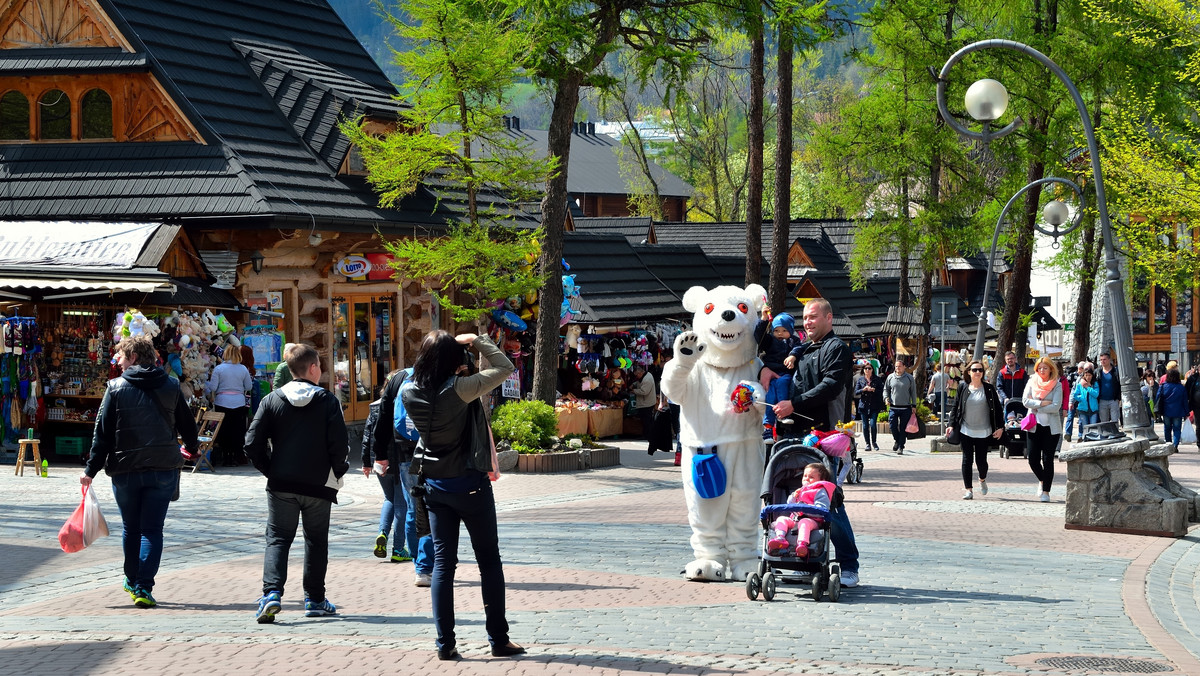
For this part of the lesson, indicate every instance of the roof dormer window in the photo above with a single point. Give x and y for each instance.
(96, 115)
(54, 116)
(14, 117)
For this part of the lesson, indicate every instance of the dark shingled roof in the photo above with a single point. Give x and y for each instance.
(71, 61)
(679, 267)
(615, 286)
(717, 239)
(593, 167)
(264, 82)
(636, 229)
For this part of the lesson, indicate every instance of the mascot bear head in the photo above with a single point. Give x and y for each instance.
(724, 319)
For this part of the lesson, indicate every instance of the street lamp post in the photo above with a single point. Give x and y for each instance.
(986, 102)
(942, 399)
(1055, 213)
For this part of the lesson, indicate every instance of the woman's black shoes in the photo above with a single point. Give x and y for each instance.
(507, 650)
(448, 654)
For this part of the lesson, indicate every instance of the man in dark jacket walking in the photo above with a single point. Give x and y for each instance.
(135, 444)
(304, 466)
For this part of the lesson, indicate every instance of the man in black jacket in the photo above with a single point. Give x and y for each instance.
(304, 466)
(135, 444)
(821, 396)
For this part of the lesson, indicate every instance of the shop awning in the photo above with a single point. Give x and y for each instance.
(28, 288)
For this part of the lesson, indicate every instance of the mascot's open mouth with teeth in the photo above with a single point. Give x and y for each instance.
(731, 337)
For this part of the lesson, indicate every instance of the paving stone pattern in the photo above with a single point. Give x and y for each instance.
(592, 563)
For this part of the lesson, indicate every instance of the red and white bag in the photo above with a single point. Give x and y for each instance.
(85, 525)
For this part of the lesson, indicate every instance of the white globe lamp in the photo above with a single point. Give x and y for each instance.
(986, 100)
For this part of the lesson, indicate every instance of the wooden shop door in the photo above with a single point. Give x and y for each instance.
(363, 350)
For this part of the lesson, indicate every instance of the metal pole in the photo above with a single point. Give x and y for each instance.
(1137, 419)
(942, 413)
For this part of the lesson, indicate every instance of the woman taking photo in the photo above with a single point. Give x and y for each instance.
(868, 392)
(1086, 396)
(1043, 398)
(452, 461)
(978, 416)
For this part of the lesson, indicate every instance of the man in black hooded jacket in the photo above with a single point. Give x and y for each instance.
(135, 443)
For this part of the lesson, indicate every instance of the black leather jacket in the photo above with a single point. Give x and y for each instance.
(137, 424)
(995, 408)
(821, 391)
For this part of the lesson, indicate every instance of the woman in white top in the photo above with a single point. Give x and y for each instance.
(1043, 398)
(229, 386)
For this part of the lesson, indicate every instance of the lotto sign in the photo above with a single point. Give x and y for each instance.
(365, 267)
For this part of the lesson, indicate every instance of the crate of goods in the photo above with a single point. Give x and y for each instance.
(68, 446)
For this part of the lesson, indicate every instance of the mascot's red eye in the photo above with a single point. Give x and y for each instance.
(708, 309)
(743, 307)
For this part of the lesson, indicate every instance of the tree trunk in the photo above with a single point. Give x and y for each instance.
(754, 160)
(554, 217)
(1018, 286)
(921, 372)
(781, 239)
(1087, 289)
(904, 294)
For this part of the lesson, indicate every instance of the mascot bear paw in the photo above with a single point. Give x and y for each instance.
(705, 571)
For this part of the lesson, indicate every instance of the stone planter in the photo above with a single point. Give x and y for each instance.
(546, 463)
(605, 456)
(1108, 490)
(507, 460)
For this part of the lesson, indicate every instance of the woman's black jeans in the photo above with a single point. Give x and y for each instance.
(476, 510)
(974, 449)
(1039, 450)
(870, 431)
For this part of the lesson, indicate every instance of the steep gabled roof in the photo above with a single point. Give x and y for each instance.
(717, 239)
(593, 165)
(263, 82)
(679, 267)
(636, 229)
(615, 286)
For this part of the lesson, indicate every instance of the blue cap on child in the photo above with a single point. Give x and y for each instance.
(785, 320)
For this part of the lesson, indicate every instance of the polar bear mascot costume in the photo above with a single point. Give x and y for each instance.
(710, 362)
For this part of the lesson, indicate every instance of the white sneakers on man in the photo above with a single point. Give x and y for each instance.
(423, 580)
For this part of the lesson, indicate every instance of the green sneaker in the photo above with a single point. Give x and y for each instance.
(401, 556)
(129, 589)
(143, 599)
(381, 545)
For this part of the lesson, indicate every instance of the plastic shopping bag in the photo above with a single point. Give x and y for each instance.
(84, 526)
(914, 424)
(1187, 435)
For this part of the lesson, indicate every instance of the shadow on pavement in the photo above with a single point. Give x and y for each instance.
(21, 561)
(885, 595)
(76, 657)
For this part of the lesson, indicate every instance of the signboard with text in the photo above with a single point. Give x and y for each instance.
(365, 267)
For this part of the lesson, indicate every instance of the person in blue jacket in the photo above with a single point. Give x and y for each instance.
(1172, 400)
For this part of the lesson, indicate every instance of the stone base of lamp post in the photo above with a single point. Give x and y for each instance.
(1159, 454)
(1108, 489)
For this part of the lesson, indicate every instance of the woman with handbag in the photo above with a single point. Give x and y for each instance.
(1043, 398)
(868, 392)
(452, 461)
(977, 419)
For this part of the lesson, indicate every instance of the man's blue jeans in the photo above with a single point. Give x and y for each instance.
(842, 536)
(421, 549)
(1172, 427)
(143, 498)
(898, 419)
(1069, 425)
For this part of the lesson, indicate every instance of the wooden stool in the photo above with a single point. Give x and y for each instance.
(37, 457)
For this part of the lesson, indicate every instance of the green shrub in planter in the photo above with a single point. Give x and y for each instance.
(527, 426)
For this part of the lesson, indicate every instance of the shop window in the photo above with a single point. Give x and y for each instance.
(54, 116)
(1140, 310)
(1183, 309)
(95, 114)
(1162, 311)
(14, 117)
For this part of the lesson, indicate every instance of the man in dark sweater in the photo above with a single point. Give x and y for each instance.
(304, 466)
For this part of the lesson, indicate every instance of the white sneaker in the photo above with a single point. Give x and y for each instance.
(967, 495)
(849, 578)
(423, 580)
(1044, 497)
(982, 487)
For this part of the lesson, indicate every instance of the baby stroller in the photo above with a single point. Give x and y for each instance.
(1012, 442)
(783, 476)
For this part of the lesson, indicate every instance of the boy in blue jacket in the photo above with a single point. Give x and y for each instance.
(776, 338)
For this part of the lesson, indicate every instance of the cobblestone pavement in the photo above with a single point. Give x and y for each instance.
(995, 585)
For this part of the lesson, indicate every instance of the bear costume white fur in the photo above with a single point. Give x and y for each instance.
(712, 359)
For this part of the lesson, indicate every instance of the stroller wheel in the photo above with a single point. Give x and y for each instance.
(818, 586)
(835, 587)
(753, 586)
(768, 587)
(1004, 452)
(858, 475)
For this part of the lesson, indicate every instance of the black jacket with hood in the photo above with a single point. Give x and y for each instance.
(136, 428)
(309, 445)
(821, 390)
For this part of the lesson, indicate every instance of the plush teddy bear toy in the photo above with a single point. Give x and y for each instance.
(712, 361)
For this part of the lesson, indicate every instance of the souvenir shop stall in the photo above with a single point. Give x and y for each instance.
(596, 375)
(56, 361)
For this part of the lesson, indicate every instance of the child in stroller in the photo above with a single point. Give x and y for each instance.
(799, 528)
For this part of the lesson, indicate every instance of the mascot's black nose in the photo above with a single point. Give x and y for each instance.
(728, 315)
